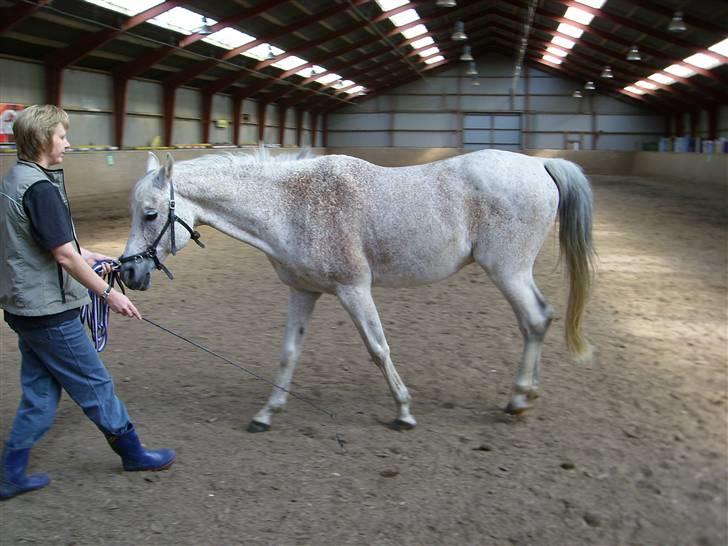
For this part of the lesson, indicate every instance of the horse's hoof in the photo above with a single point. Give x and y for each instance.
(257, 426)
(516, 409)
(400, 425)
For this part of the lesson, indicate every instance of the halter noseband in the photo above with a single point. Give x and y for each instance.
(151, 251)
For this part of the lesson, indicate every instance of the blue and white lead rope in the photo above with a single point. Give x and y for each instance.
(96, 313)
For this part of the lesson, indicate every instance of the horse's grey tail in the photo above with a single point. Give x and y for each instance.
(575, 237)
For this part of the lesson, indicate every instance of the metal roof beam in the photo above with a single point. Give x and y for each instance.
(624, 65)
(14, 15)
(137, 66)
(84, 46)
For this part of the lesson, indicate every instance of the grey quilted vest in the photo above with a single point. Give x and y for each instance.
(31, 281)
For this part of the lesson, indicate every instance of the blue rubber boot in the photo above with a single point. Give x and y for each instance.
(13, 480)
(135, 457)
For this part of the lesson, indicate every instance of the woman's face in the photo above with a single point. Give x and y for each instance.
(56, 148)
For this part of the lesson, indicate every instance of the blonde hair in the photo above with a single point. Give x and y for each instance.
(33, 129)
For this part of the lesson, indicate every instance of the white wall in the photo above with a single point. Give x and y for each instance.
(428, 113)
(88, 98)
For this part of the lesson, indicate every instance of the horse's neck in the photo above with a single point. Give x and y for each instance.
(244, 207)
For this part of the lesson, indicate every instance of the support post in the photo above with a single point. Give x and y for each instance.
(121, 86)
(206, 117)
(168, 94)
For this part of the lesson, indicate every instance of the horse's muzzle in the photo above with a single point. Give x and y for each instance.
(137, 275)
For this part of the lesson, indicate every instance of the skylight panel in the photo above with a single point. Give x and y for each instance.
(311, 71)
(261, 52)
(290, 62)
(180, 20)
(127, 7)
(414, 31)
(328, 78)
(563, 42)
(434, 59)
(635, 90)
(429, 51)
(646, 84)
(355, 90)
(702, 60)
(680, 70)
(229, 38)
(401, 19)
(721, 48)
(552, 59)
(422, 42)
(580, 16)
(661, 78)
(556, 51)
(596, 4)
(570, 30)
(387, 5)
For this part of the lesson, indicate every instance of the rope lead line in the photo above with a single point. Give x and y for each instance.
(96, 316)
(255, 375)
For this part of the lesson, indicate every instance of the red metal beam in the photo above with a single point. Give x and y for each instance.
(262, 109)
(281, 124)
(84, 46)
(232, 78)
(206, 116)
(135, 67)
(648, 30)
(14, 15)
(299, 126)
(590, 66)
(556, 17)
(626, 66)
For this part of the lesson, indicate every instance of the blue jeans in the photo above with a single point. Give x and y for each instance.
(55, 357)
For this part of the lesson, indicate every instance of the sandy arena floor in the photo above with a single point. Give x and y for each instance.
(628, 449)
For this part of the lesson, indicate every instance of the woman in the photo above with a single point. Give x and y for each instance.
(45, 276)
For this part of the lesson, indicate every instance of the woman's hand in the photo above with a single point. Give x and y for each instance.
(119, 303)
(92, 257)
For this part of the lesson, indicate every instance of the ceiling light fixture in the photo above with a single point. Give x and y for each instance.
(634, 54)
(676, 23)
(589, 86)
(475, 81)
(577, 94)
(205, 29)
(467, 54)
(446, 3)
(458, 34)
(472, 69)
(607, 72)
(270, 54)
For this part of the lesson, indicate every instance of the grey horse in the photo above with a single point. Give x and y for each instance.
(340, 225)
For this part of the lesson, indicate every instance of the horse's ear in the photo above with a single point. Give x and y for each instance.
(168, 165)
(152, 162)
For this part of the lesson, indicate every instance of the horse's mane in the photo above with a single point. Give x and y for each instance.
(227, 161)
(261, 155)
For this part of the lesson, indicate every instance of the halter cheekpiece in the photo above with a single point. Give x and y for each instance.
(151, 251)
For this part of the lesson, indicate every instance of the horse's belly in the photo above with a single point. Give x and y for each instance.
(416, 270)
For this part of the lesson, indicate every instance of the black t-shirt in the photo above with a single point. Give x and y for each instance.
(51, 226)
(50, 220)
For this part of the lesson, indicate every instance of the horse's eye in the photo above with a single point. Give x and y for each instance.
(150, 215)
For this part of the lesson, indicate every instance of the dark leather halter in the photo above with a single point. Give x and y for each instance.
(151, 251)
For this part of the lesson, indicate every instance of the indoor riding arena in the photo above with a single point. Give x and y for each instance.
(423, 141)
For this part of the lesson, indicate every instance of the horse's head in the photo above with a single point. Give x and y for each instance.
(155, 211)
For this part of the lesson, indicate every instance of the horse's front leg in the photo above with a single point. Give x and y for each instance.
(357, 300)
(300, 309)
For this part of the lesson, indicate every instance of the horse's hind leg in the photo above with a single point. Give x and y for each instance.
(534, 317)
(300, 308)
(357, 300)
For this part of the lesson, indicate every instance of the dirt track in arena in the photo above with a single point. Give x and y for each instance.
(628, 449)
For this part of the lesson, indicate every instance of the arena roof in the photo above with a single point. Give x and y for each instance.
(320, 55)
